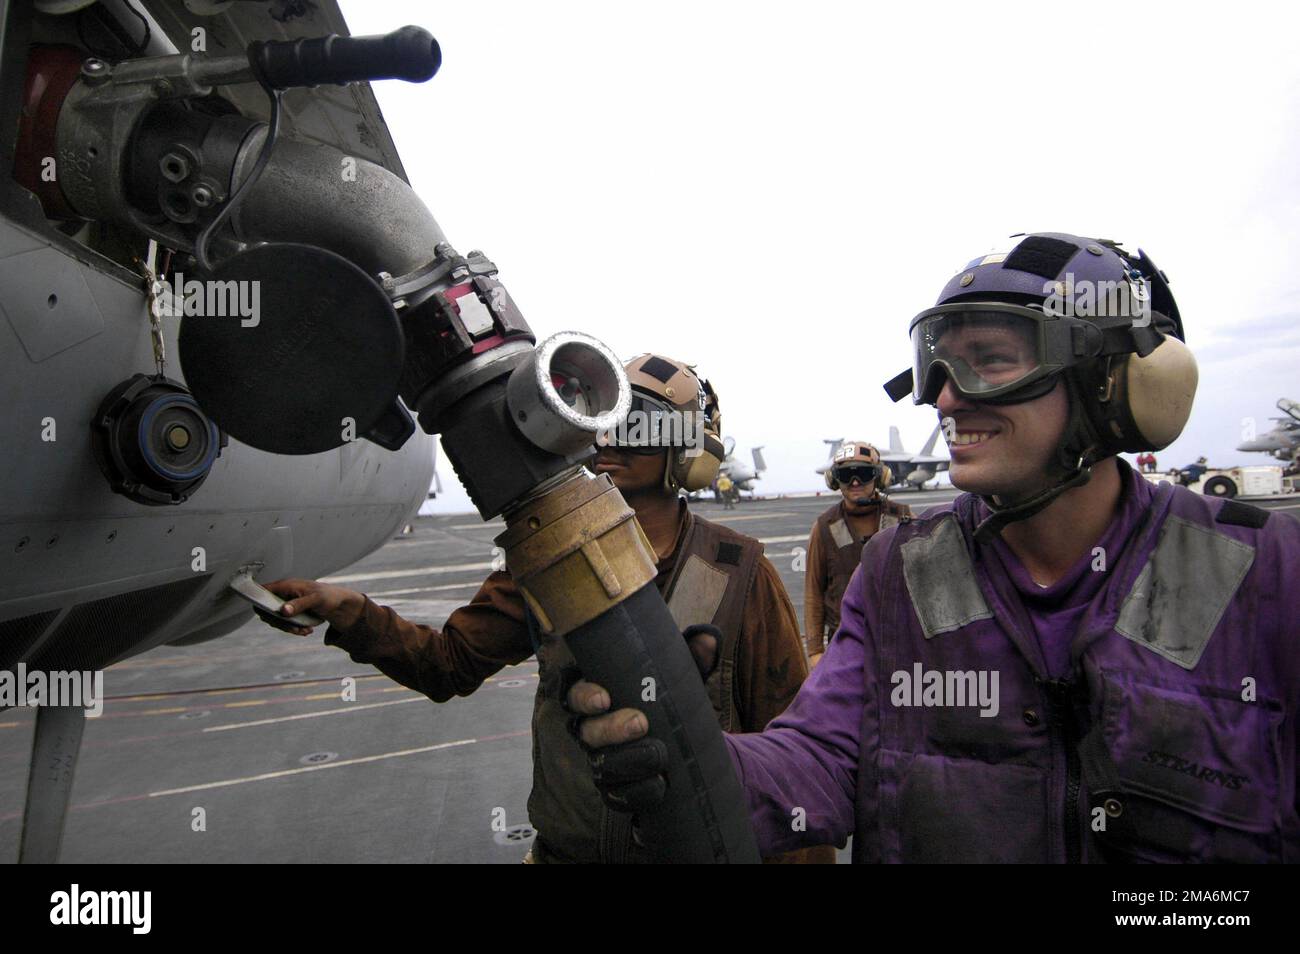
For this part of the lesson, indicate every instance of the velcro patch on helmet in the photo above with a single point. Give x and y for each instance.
(1040, 255)
(660, 369)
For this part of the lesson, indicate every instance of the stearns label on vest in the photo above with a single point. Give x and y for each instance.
(1182, 592)
(941, 581)
(1203, 751)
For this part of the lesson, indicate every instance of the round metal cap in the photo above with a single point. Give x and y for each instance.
(290, 348)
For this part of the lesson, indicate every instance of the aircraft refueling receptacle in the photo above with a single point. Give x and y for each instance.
(363, 301)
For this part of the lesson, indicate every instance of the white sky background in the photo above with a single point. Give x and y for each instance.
(771, 191)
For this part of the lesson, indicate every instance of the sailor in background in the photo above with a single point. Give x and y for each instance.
(835, 546)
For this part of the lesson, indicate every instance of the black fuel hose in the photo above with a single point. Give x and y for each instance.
(703, 816)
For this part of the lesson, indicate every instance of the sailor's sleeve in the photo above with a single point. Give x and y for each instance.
(477, 641)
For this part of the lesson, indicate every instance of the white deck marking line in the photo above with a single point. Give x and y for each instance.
(312, 715)
(798, 537)
(310, 768)
(476, 582)
(394, 574)
(473, 526)
(718, 518)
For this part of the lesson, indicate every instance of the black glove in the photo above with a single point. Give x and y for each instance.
(630, 777)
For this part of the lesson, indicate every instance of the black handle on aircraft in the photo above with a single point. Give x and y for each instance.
(410, 53)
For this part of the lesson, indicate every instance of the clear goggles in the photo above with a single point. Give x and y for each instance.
(989, 350)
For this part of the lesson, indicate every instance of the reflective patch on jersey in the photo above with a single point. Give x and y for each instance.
(697, 593)
(1182, 592)
(941, 581)
(840, 534)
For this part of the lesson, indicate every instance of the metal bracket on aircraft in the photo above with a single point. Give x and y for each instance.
(263, 599)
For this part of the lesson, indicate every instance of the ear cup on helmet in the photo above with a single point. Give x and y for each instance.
(696, 471)
(1156, 393)
(886, 477)
(831, 482)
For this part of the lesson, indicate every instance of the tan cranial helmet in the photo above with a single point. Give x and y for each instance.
(852, 454)
(685, 420)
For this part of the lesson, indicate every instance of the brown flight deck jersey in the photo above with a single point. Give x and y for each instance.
(712, 575)
(834, 551)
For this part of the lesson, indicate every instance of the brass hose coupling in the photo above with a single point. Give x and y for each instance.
(576, 552)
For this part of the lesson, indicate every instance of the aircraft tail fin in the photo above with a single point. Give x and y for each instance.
(928, 449)
(896, 442)
(760, 465)
(832, 445)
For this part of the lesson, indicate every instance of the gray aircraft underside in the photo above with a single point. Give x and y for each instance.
(87, 576)
(97, 562)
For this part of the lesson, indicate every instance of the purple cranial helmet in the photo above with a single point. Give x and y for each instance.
(1041, 259)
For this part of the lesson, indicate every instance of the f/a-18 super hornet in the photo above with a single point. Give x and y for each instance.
(913, 470)
(1283, 441)
(224, 311)
(741, 473)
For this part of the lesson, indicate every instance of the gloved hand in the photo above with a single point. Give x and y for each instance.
(627, 768)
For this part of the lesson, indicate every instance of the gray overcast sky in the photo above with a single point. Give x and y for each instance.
(771, 190)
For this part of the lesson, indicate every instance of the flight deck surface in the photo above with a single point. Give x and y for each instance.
(253, 729)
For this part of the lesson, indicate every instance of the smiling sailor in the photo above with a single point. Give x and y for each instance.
(1141, 639)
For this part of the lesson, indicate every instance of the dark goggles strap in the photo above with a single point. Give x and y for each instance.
(899, 386)
(1121, 336)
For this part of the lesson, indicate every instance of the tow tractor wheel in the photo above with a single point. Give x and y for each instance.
(1220, 487)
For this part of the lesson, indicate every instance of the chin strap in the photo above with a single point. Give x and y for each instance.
(1000, 516)
(1075, 458)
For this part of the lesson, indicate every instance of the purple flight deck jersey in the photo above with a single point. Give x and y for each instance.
(1141, 711)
